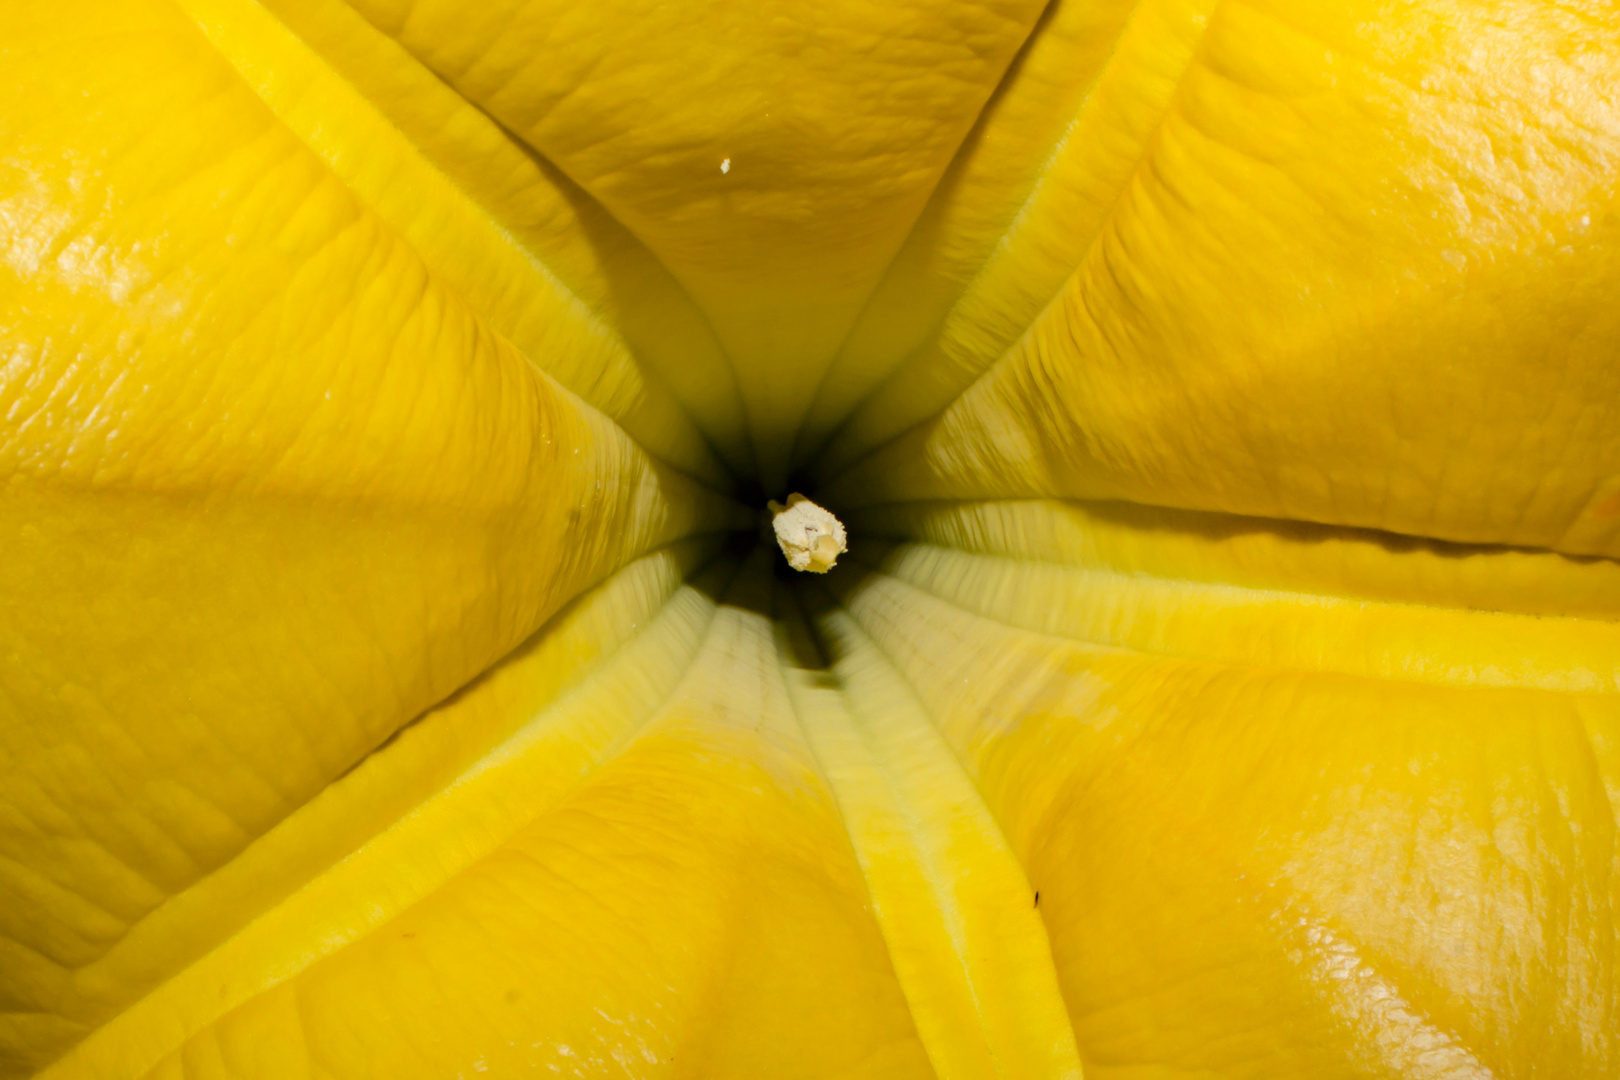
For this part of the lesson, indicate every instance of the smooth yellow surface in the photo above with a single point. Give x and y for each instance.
(1223, 402)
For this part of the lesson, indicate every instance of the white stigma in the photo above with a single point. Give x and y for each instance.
(810, 537)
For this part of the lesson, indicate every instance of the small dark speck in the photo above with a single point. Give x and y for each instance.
(410, 935)
(1037, 898)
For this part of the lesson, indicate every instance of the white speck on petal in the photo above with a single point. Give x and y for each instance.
(725, 166)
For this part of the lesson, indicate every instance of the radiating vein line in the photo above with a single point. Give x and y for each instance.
(1266, 628)
(951, 900)
(271, 59)
(983, 366)
(567, 739)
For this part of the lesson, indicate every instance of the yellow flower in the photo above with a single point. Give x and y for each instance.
(397, 677)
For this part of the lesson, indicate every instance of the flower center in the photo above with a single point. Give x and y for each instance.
(810, 537)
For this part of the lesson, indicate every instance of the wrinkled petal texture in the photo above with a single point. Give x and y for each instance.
(1223, 402)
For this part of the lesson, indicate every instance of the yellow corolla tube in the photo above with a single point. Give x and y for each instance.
(1203, 429)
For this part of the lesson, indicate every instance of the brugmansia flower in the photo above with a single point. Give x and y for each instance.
(399, 679)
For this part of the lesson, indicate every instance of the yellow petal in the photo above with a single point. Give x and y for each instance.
(1362, 274)
(972, 958)
(1222, 679)
(520, 917)
(774, 162)
(1278, 832)
(544, 264)
(272, 488)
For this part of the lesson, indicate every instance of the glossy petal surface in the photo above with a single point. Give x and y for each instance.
(1224, 676)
